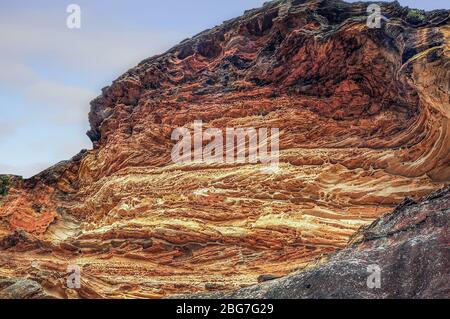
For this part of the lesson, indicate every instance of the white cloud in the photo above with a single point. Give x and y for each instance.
(42, 67)
(69, 53)
(6, 129)
(61, 103)
(91, 50)
(26, 171)
(15, 74)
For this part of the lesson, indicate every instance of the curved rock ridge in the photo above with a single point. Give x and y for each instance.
(363, 116)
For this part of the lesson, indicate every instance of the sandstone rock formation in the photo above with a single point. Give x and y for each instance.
(410, 248)
(364, 122)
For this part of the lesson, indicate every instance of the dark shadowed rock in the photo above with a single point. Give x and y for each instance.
(21, 289)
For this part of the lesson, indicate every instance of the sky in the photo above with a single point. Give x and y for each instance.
(49, 73)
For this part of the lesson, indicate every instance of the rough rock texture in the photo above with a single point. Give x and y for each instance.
(411, 247)
(16, 288)
(364, 122)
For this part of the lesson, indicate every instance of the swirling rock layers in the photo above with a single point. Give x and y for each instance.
(363, 116)
(418, 231)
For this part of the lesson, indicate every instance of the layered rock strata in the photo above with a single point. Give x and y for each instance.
(363, 116)
(404, 254)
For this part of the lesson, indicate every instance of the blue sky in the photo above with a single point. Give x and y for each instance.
(49, 73)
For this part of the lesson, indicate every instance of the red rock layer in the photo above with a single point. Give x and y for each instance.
(364, 122)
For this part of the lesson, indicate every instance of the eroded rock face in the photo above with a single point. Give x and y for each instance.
(364, 122)
(409, 248)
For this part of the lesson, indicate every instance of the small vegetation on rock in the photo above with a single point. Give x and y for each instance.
(415, 16)
(4, 185)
